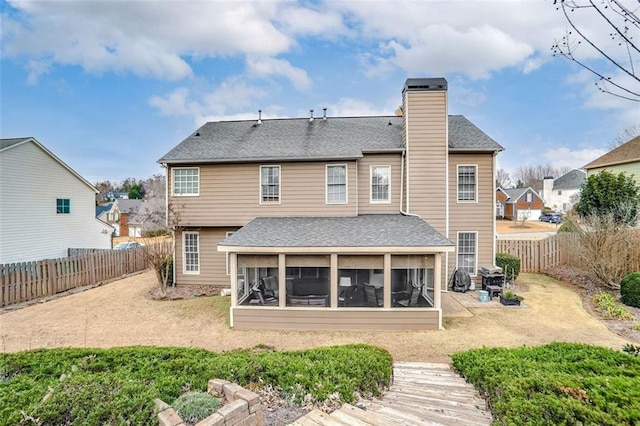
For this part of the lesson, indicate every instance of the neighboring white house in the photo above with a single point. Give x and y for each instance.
(45, 206)
(562, 193)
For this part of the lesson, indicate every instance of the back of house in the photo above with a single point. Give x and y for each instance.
(335, 222)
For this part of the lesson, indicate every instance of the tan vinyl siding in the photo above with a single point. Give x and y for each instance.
(628, 168)
(364, 183)
(426, 117)
(230, 194)
(473, 216)
(212, 262)
(335, 319)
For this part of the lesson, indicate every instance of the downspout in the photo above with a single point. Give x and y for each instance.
(357, 190)
(402, 187)
(166, 207)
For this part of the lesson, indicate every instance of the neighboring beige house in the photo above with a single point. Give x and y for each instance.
(46, 207)
(623, 159)
(561, 194)
(342, 223)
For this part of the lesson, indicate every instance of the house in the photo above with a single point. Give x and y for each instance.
(102, 211)
(45, 206)
(623, 159)
(148, 217)
(519, 203)
(343, 223)
(562, 193)
(120, 212)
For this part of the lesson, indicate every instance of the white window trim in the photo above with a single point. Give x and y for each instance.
(371, 200)
(458, 200)
(529, 195)
(173, 182)
(279, 185)
(326, 184)
(184, 254)
(475, 274)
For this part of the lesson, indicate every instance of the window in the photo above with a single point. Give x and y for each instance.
(191, 253)
(63, 206)
(559, 192)
(186, 181)
(467, 183)
(467, 251)
(336, 184)
(528, 197)
(380, 176)
(269, 184)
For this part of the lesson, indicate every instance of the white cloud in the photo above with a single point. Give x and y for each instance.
(228, 101)
(148, 39)
(266, 66)
(36, 69)
(350, 107)
(566, 157)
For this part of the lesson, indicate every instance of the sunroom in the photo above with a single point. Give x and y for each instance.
(369, 272)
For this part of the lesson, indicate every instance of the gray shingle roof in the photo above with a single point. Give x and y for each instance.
(126, 205)
(572, 180)
(302, 139)
(5, 143)
(358, 231)
(515, 193)
(465, 136)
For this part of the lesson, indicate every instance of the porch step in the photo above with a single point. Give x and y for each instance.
(421, 394)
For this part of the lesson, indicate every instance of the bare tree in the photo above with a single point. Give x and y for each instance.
(606, 247)
(625, 136)
(533, 176)
(619, 76)
(503, 180)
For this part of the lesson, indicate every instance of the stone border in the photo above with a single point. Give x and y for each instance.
(243, 407)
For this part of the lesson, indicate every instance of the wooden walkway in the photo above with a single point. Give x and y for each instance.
(421, 394)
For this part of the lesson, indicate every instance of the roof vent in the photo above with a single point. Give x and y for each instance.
(311, 115)
(389, 123)
(324, 115)
(259, 117)
(197, 134)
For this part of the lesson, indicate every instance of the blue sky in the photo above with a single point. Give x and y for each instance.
(111, 86)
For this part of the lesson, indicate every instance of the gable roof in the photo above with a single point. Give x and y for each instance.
(126, 205)
(374, 231)
(571, 180)
(103, 208)
(515, 193)
(304, 139)
(10, 143)
(625, 153)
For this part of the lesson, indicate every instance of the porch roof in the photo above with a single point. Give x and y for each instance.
(366, 232)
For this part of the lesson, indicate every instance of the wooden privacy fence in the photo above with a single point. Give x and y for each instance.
(21, 282)
(539, 255)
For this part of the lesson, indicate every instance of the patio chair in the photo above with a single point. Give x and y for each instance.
(371, 294)
(270, 286)
(413, 300)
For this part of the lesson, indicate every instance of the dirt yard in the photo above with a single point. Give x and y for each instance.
(516, 227)
(122, 313)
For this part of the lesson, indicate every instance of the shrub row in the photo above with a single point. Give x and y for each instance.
(559, 383)
(118, 386)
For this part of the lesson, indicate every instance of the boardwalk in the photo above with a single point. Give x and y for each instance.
(421, 394)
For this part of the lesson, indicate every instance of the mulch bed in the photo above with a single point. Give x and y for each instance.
(587, 287)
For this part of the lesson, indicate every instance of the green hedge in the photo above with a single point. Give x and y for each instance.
(555, 384)
(510, 264)
(118, 386)
(630, 289)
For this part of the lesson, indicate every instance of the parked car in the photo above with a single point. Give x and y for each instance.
(551, 217)
(127, 245)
